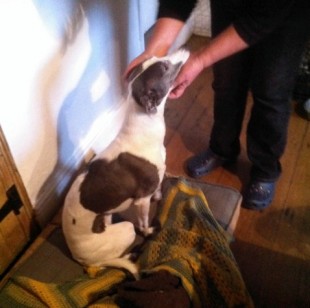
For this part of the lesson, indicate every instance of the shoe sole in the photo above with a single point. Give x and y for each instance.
(256, 206)
(225, 164)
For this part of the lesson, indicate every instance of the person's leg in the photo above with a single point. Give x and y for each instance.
(274, 71)
(230, 85)
(231, 82)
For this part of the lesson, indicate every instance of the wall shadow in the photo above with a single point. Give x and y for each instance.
(278, 277)
(107, 22)
(273, 279)
(292, 226)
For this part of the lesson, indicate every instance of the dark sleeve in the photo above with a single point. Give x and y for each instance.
(178, 9)
(259, 18)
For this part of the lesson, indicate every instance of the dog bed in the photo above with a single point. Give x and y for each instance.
(188, 259)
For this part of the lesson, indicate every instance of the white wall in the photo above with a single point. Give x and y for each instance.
(61, 64)
(60, 69)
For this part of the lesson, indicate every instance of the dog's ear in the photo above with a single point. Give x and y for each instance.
(175, 70)
(135, 72)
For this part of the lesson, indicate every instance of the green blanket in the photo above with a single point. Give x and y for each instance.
(190, 245)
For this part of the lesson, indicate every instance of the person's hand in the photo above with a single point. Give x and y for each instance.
(134, 63)
(190, 70)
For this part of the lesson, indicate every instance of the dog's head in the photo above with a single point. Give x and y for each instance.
(151, 81)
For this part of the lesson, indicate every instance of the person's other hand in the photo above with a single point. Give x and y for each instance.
(190, 70)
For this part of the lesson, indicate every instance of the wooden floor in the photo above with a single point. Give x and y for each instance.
(272, 247)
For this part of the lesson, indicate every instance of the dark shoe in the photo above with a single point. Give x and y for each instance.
(303, 109)
(259, 195)
(204, 163)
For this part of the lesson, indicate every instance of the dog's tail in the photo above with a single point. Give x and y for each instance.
(122, 263)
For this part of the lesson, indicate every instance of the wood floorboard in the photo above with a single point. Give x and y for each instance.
(272, 247)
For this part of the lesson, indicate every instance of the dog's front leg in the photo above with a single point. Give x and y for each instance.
(158, 194)
(142, 206)
(107, 219)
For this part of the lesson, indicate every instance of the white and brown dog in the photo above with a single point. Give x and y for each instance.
(128, 173)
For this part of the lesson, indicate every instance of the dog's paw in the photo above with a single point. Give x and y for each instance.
(157, 195)
(148, 231)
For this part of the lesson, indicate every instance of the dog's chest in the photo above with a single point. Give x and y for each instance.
(141, 135)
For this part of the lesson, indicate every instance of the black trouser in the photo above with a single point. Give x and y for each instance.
(269, 70)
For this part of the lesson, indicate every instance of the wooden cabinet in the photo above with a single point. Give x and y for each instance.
(17, 224)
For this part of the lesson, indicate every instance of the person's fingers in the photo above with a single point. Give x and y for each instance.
(180, 83)
(178, 90)
(187, 75)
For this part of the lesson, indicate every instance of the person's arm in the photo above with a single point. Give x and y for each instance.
(164, 34)
(256, 22)
(225, 44)
(171, 16)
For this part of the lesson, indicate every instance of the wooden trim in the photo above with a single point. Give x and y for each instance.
(22, 223)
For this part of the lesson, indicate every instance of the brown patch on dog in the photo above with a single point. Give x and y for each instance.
(108, 184)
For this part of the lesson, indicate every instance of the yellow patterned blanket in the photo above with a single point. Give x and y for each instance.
(190, 245)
